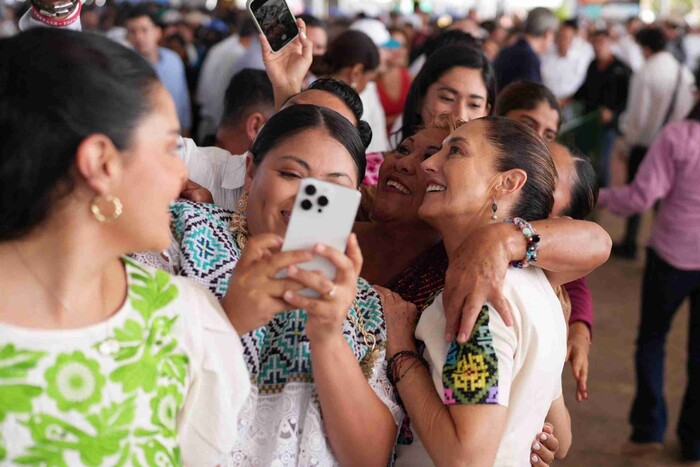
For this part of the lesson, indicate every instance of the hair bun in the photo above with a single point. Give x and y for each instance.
(365, 132)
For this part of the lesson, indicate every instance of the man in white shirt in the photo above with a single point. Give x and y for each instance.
(627, 49)
(564, 66)
(249, 103)
(217, 71)
(662, 91)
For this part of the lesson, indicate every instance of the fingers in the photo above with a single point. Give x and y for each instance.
(258, 247)
(344, 266)
(285, 259)
(385, 294)
(549, 441)
(452, 317)
(307, 47)
(470, 313)
(581, 375)
(544, 449)
(266, 47)
(276, 288)
(355, 253)
(502, 306)
(311, 279)
(301, 302)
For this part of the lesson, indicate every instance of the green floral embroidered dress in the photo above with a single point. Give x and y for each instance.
(160, 383)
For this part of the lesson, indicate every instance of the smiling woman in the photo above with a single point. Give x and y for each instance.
(297, 348)
(457, 80)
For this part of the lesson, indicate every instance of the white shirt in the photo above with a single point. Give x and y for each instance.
(374, 115)
(217, 71)
(217, 170)
(166, 371)
(519, 367)
(564, 75)
(649, 98)
(627, 50)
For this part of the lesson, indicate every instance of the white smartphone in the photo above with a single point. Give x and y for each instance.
(324, 213)
(275, 20)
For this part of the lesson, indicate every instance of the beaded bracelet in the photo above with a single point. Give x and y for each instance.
(398, 361)
(533, 242)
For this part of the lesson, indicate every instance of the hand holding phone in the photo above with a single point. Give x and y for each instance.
(323, 213)
(275, 20)
(288, 68)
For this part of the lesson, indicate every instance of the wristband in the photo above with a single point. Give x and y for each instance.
(533, 242)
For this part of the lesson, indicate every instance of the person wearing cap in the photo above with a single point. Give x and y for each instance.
(374, 112)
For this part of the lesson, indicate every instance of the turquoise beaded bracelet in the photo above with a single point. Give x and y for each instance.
(533, 242)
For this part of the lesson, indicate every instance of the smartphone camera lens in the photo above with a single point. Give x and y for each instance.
(306, 204)
(310, 190)
(322, 201)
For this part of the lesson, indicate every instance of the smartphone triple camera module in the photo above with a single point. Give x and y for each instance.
(311, 201)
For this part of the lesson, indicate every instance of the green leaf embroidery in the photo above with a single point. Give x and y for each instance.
(3, 451)
(153, 293)
(132, 331)
(157, 454)
(16, 364)
(17, 398)
(158, 350)
(49, 456)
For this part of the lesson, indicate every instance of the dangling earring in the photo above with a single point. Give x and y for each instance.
(239, 221)
(494, 208)
(117, 209)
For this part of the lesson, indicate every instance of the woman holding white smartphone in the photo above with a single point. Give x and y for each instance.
(325, 356)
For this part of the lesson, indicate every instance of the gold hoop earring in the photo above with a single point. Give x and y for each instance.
(117, 209)
(239, 221)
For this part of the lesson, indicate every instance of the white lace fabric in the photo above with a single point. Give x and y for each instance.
(286, 428)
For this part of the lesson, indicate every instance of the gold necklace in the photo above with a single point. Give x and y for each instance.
(370, 340)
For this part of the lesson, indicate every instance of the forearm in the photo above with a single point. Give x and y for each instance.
(284, 92)
(581, 302)
(560, 418)
(438, 430)
(358, 424)
(569, 248)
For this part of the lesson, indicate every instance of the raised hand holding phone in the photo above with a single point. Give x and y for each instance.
(288, 67)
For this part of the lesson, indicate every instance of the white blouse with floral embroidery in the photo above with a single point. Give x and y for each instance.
(161, 383)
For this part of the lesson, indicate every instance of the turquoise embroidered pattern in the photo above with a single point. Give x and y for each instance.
(470, 372)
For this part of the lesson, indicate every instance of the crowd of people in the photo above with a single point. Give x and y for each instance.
(149, 168)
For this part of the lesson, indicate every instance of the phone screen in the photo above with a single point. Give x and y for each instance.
(275, 21)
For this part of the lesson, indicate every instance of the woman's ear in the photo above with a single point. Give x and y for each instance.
(99, 163)
(509, 183)
(249, 172)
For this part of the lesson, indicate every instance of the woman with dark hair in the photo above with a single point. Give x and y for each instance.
(532, 104)
(322, 359)
(353, 58)
(668, 175)
(324, 91)
(490, 394)
(105, 361)
(457, 80)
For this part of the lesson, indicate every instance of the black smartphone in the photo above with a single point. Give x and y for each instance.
(275, 20)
